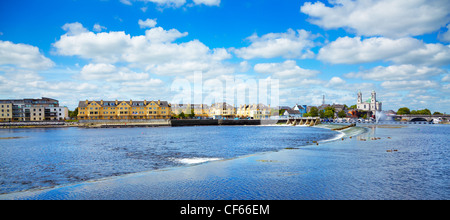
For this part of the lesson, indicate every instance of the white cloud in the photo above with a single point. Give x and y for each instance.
(426, 54)
(285, 70)
(110, 73)
(347, 50)
(336, 81)
(100, 47)
(23, 56)
(290, 45)
(74, 28)
(167, 3)
(398, 72)
(149, 23)
(99, 28)
(207, 2)
(389, 18)
(446, 78)
(445, 36)
(159, 35)
(126, 2)
(179, 3)
(153, 52)
(410, 85)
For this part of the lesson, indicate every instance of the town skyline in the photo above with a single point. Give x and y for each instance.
(136, 49)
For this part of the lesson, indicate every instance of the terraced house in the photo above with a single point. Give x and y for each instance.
(123, 110)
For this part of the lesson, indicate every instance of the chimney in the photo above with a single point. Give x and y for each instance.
(145, 102)
(117, 102)
(87, 102)
(101, 102)
(131, 102)
(159, 102)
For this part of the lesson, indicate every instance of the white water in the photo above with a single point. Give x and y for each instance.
(196, 160)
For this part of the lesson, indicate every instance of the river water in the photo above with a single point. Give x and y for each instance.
(49, 157)
(377, 162)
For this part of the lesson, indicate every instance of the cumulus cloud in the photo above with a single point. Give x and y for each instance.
(445, 36)
(398, 72)
(74, 28)
(149, 23)
(167, 3)
(23, 56)
(347, 50)
(177, 3)
(388, 18)
(207, 2)
(290, 45)
(99, 28)
(154, 51)
(288, 68)
(110, 73)
(406, 85)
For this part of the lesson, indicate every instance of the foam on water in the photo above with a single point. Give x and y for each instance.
(196, 160)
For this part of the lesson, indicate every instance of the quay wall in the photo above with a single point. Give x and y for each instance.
(182, 123)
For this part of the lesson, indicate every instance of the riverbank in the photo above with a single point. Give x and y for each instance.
(358, 167)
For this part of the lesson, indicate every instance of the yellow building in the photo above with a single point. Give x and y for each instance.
(222, 110)
(255, 111)
(200, 110)
(129, 110)
(6, 113)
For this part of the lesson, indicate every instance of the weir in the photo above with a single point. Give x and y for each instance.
(303, 121)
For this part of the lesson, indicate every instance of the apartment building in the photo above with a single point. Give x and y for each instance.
(200, 110)
(129, 110)
(44, 109)
(255, 111)
(222, 110)
(6, 112)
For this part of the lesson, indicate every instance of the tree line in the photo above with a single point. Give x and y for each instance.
(407, 111)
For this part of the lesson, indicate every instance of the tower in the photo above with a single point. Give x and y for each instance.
(374, 97)
(359, 97)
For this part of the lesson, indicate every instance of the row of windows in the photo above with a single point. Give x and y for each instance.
(121, 108)
(123, 113)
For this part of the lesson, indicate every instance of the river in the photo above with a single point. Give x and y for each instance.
(242, 162)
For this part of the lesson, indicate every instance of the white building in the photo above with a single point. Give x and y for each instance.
(371, 105)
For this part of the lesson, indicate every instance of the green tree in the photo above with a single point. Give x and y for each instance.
(437, 113)
(322, 114)
(403, 111)
(424, 112)
(330, 109)
(342, 114)
(329, 114)
(314, 112)
(73, 114)
(192, 115)
(182, 115)
(353, 107)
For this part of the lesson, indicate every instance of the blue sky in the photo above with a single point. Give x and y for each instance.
(75, 50)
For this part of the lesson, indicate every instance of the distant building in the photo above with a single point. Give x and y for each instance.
(129, 110)
(301, 108)
(371, 105)
(255, 111)
(291, 113)
(44, 109)
(200, 110)
(221, 110)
